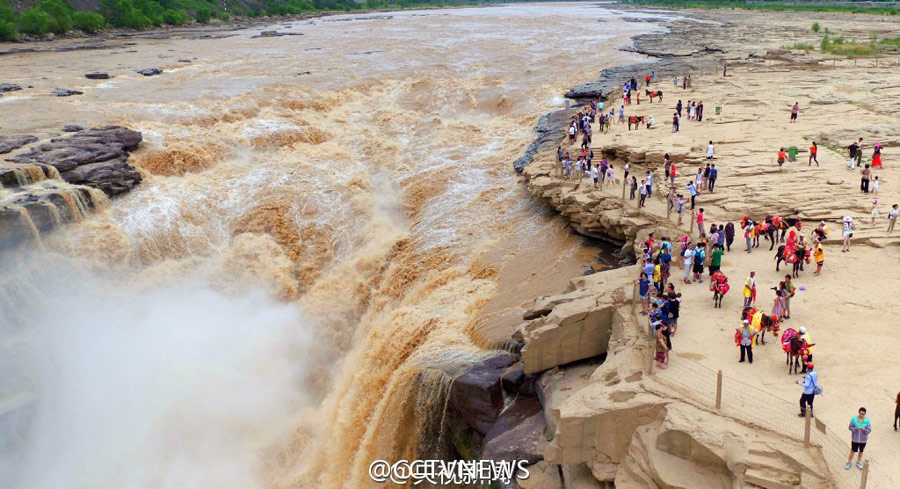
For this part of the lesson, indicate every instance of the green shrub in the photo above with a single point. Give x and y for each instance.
(90, 22)
(35, 21)
(816, 27)
(176, 17)
(202, 13)
(60, 15)
(8, 31)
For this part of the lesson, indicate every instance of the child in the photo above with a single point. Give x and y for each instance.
(781, 157)
(875, 185)
(874, 210)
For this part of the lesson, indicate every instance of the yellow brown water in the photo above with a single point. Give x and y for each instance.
(334, 234)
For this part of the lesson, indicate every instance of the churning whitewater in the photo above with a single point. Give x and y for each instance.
(275, 304)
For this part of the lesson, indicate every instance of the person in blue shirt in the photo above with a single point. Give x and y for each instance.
(693, 190)
(860, 427)
(810, 382)
(644, 291)
(713, 175)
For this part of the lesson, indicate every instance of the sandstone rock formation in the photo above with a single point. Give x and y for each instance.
(97, 75)
(10, 143)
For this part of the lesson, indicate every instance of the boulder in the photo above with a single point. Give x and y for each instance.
(97, 75)
(520, 433)
(476, 396)
(72, 128)
(66, 92)
(184, 61)
(149, 71)
(11, 143)
(9, 87)
(95, 157)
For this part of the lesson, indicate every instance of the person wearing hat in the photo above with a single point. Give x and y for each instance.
(848, 233)
(819, 256)
(810, 383)
(745, 336)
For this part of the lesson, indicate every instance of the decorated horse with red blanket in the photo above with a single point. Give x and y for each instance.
(718, 284)
(654, 93)
(794, 348)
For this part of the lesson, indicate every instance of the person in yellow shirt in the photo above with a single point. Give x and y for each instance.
(657, 277)
(807, 341)
(819, 256)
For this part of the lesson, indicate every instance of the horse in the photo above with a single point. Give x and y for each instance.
(718, 284)
(794, 353)
(768, 323)
(654, 93)
(779, 257)
(635, 120)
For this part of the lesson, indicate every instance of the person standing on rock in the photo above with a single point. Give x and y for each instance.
(634, 187)
(750, 289)
(865, 174)
(675, 117)
(679, 200)
(810, 385)
(698, 179)
(662, 349)
(644, 292)
(794, 111)
(700, 111)
(710, 151)
(819, 256)
(745, 336)
(643, 199)
(678, 108)
(813, 153)
(713, 175)
(892, 217)
(649, 183)
(627, 169)
(675, 81)
(848, 233)
(693, 190)
(860, 427)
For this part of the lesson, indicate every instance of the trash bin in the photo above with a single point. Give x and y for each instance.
(792, 153)
(718, 109)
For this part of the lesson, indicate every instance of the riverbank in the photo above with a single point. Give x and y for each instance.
(840, 99)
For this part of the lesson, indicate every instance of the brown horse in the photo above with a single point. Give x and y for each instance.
(793, 356)
(654, 93)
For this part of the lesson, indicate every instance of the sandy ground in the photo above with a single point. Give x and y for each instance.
(850, 310)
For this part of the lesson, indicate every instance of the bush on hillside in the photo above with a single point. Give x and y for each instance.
(90, 22)
(60, 15)
(35, 21)
(176, 17)
(8, 31)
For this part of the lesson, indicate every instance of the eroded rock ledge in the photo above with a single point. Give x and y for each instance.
(62, 180)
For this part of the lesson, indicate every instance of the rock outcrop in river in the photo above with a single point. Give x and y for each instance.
(62, 180)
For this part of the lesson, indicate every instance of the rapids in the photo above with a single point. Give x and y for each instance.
(302, 248)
